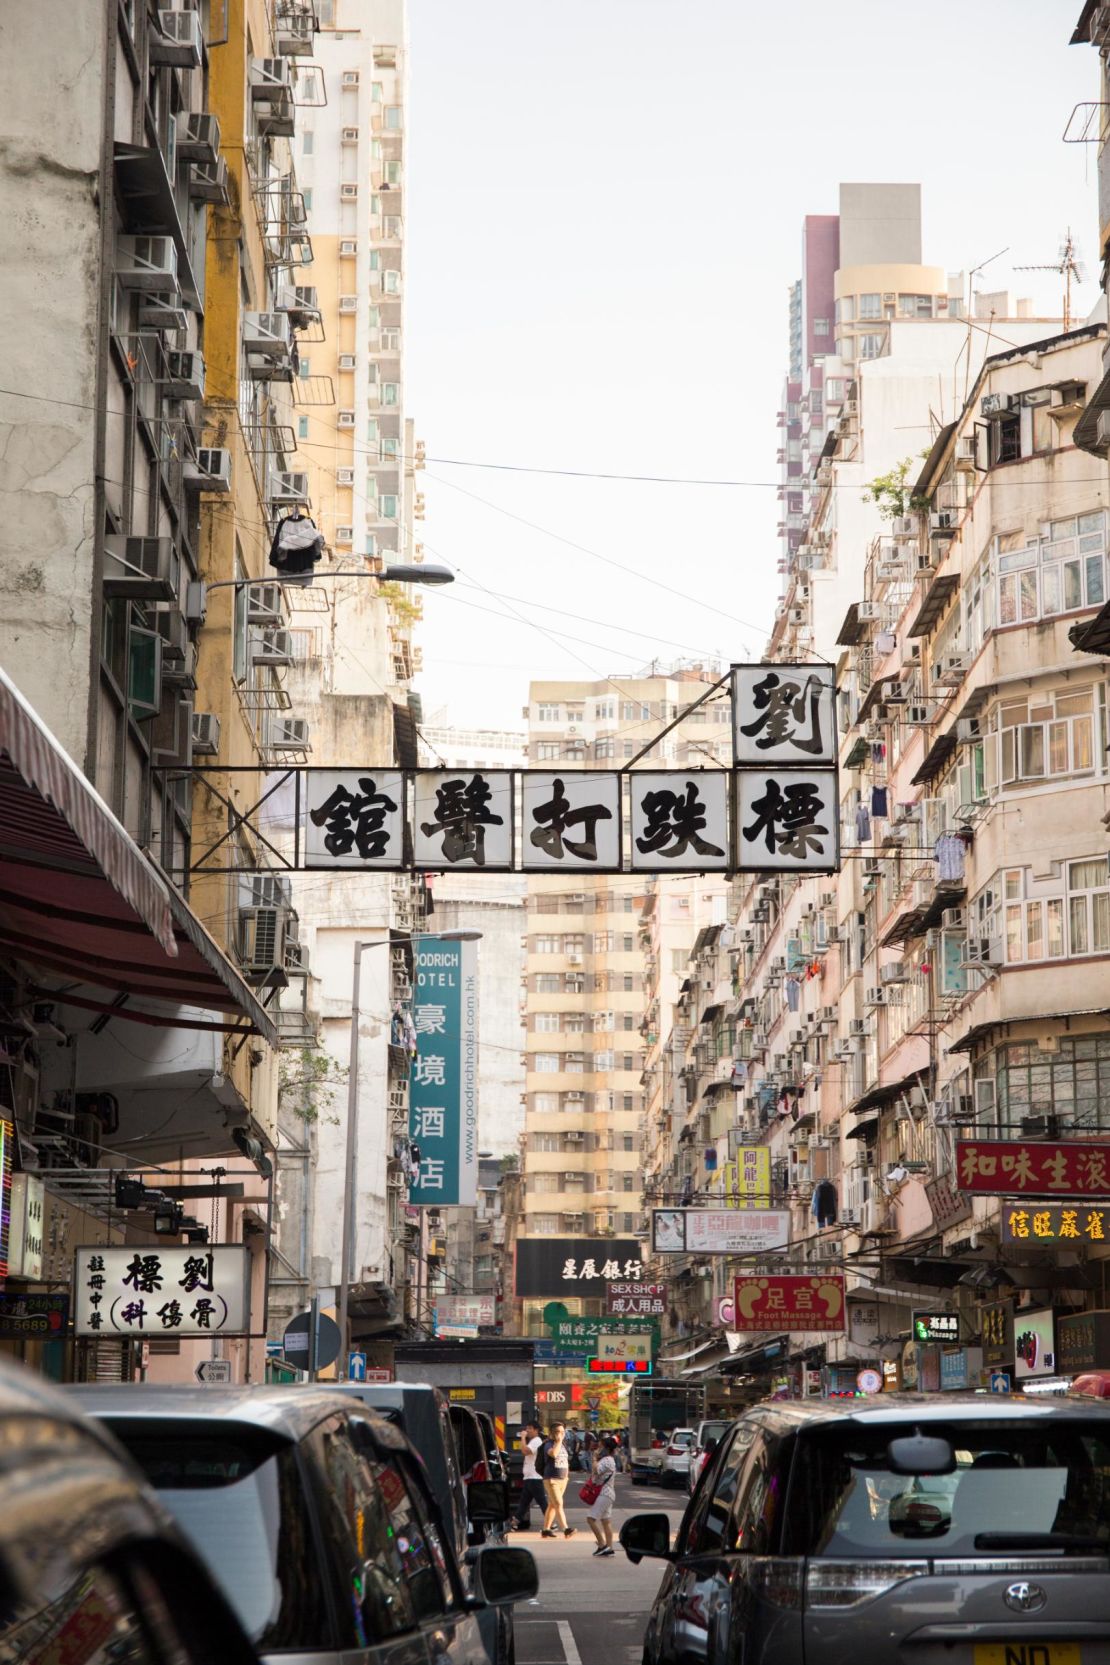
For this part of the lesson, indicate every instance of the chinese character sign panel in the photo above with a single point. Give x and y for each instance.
(718, 1231)
(570, 820)
(465, 1309)
(753, 1175)
(1037, 1168)
(575, 1265)
(443, 1084)
(789, 1303)
(631, 1299)
(679, 822)
(354, 818)
(787, 820)
(7, 1143)
(936, 1326)
(1024, 1221)
(583, 1334)
(783, 714)
(463, 819)
(196, 1291)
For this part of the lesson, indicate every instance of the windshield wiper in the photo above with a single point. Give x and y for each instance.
(1038, 1540)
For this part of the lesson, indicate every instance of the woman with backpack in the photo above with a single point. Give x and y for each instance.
(553, 1466)
(600, 1512)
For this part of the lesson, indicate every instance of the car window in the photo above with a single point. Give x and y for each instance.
(759, 1499)
(1031, 1476)
(255, 1535)
(708, 1523)
(420, 1548)
(94, 1620)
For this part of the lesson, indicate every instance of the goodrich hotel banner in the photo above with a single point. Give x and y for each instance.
(443, 1088)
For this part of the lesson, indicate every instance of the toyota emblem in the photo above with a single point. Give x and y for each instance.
(1025, 1598)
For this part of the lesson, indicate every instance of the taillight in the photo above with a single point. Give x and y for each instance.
(851, 1583)
(778, 1579)
(479, 1472)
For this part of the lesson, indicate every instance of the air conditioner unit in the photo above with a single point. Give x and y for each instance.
(574, 1137)
(918, 714)
(348, 192)
(968, 731)
(347, 305)
(890, 569)
(857, 1028)
(967, 453)
(942, 523)
(348, 248)
(176, 40)
(140, 569)
(208, 181)
(206, 733)
(146, 263)
(926, 562)
(268, 344)
(293, 32)
(797, 615)
(986, 951)
(271, 647)
(344, 535)
(262, 939)
(994, 405)
(269, 76)
(287, 734)
(344, 476)
(954, 919)
(347, 361)
(952, 668)
(896, 972)
(264, 604)
(349, 78)
(186, 375)
(875, 996)
(288, 488)
(904, 527)
(198, 137)
(210, 470)
(1040, 1127)
(849, 1217)
(867, 611)
(350, 136)
(896, 693)
(345, 419)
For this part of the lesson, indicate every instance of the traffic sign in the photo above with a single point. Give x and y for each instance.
(356, 1367)
(295, 1341)
(214, 1372)
(869, 1381)
(1000, 1381)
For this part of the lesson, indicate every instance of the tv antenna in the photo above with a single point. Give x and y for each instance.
(1068, 267)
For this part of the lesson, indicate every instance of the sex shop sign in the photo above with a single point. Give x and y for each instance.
(145, 1291)
(776, 809)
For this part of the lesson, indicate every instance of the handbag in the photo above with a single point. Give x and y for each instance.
(590, 1492)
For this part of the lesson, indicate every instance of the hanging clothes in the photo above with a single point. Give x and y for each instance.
(824, 1208)
(296, 547)
(793, 994)
(863, 825)
(950, 851)
(879, 802)
(885, 642)
(409, 1033)
(878, 752)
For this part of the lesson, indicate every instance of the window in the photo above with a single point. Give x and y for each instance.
(545, 1102)
(915, 306)
(392, 173)
(547, 1023)
(239, 664)
(302, 427)
(546, 945)
(628, 1101)
(628, 1182)
(834, 392)
(870, 306)
(1089, 906)
(375, 92)
(393, 117)
(628, 982)
(544, 1225)
(628, 1061)
(391, 283)
(307, 198)
(545, 1182)
(871, 346)
(304, 367)
(628, 1141)
(545, 1143)
(546, 1063)
(370, 545)
(846, 309)
(549, 982)
(389, 506)
(391, 392)
(308, 140)
(709, 1524)
(548, 713)
(628, 1020)
(605, 748)
(605, 710)
(820, 326)
(1046, 736)
(605, 1060)
(628, 943)
(548, 750)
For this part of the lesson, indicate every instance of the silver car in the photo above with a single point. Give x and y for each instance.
(911, 1530)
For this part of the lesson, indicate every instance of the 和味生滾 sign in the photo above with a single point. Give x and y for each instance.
(194, 1291)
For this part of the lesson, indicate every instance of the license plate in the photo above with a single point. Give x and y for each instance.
(1027, 1653)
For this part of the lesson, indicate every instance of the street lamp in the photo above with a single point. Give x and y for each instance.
(351, 1149)
(399, 574)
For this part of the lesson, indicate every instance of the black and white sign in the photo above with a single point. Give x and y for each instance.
(571, 820)
(145, 1291)
(783, 714)
(679, 821)
(354, 818)
(463, 818)
(213, 1372)
(574, 1265)
(787, 821)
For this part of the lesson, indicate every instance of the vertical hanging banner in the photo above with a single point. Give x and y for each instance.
(443, 1086)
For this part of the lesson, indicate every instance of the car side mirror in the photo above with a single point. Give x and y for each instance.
(504, 1575)
(647, 1536)
(920, 1453)
(487, 1501)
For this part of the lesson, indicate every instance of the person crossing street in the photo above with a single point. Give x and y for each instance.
(532, 1487)
(600, 1512)
(555, 1460)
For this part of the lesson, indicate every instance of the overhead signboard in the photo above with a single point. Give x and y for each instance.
(627, 1299)
(789, 1303)
(465, 1309)
(1083, 1341)
(679, 823)
(7, 1154)
(746, 1176)
(719, 1231)
(574, 1265)
(1075, 1222)
(145, 1291)
(996, 1332)
(935, 1326)
(1034, 1343)
(582, 1334)
(619, 1367)
(783, 714)
(443, 1083)
(622, 1345)
(1079, 1168)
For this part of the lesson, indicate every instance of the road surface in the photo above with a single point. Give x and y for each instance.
(590, 1612)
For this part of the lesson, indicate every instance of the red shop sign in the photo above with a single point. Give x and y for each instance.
(790, 1303)
(1079, 1168)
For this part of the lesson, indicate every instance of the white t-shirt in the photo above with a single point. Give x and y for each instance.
(530, 1448)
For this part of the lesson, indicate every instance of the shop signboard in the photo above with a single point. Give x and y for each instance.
(633, 1300)
(1054, 1222)
(552, 1401)
(464, 1309)
(1083, 1341)
(1079, 1168)
(719, 1231)
(789, 1303)
(33, 1317)
(7, 1154)
(1034, 1343)
(582, 1334)
(936, 1326)
(953, 1368)
(997, 1334)
(579, 1266)
(443, 1086)
(171, 1291)
(618, 1367)
(623, 1345)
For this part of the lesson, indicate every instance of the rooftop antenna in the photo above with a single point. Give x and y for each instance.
(971, 276)
(1068, 267)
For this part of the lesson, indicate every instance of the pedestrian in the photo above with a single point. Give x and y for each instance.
(532, 1489)
(556, 1471)
(600, 1512)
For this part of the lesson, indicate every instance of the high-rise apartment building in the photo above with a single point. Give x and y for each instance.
(585, 990)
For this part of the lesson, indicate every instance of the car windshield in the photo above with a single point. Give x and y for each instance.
(241, 1504)
(1035, 1476)
(713, 1431)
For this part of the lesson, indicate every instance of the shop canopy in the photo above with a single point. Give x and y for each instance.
(84, 908)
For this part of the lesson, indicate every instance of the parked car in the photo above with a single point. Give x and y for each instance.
(434, 1430)
(705, 1432)
(316, 1517)
(676, 1455)
(91, 1564)
(496, 1460)
(938, 1525)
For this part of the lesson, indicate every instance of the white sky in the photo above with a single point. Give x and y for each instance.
(604, 213)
